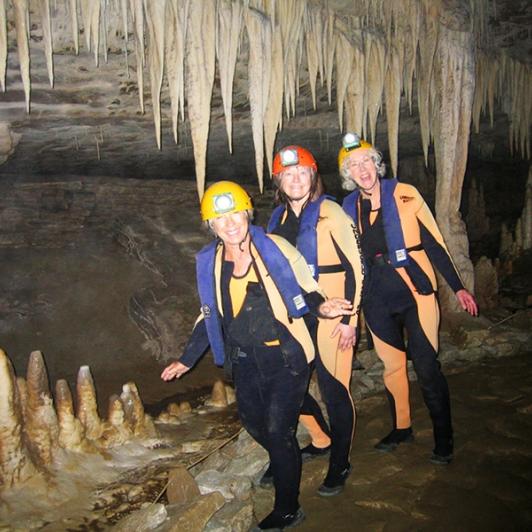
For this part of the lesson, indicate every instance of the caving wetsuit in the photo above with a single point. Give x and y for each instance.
(255, 323)
(327, 239)
(400, 243)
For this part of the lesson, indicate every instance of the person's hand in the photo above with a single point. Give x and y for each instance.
(334, 307)
(174, 371)
(467, 301)
(348, 336)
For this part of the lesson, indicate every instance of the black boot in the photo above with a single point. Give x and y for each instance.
(443, 451)
(310, 451)
(267, 478)
(397, 436)
(334, 481)
(278, 521)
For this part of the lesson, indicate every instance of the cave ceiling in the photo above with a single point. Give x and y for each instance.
(91, 123)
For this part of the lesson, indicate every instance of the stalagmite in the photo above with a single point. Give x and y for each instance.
(116, 430)
(87, 405)
(71, 434)
(200, 78)
(74, 22)
(40, 424)
(486, 284)
(227, 43)
(230, 394)
(526, 215)
(3, 45)
(218, 397)
(15, 462)
(259, 67)
(155, 17)
(176, 15)
(274, 109)
(47, 37)
(141, 424)
(21, 24)
(22, 386)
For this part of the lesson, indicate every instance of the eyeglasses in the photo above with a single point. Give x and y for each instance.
(357, 165)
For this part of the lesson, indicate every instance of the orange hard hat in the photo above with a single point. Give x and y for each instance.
(293, 156)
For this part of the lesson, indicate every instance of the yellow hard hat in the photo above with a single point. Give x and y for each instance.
(350, 143)
(224, 197)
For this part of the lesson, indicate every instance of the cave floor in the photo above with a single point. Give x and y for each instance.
(488, 486)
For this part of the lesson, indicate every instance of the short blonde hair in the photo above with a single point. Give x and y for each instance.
(347, 181)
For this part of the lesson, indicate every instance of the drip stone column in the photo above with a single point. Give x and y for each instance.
(453, 90)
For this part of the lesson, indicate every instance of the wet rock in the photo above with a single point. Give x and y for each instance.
(229, 485)
(182, 488)
(147, 518)
(193, 516)
(236, 516)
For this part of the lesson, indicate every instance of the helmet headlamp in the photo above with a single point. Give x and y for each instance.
(289, 157)
(351, 141)
(223, 203)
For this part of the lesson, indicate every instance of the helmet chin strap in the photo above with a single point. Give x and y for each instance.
(366, 190)
(240, 244)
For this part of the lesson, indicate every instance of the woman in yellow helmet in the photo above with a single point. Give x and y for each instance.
(401, 243)
(255, 290)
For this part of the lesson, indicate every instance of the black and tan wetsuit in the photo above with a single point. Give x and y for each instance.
(398, 298)
(340, 275)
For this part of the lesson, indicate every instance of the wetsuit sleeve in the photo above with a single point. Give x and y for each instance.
(434, 246)
(313, 294)
(197, 344)
(346, 242)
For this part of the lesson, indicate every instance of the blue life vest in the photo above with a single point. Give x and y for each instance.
(277, 266)
(393, 233)
(307, 237)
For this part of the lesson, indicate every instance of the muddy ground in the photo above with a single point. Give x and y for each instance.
(487, 487)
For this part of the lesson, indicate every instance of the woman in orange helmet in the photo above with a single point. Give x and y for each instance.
(254, 291)
(327, 238)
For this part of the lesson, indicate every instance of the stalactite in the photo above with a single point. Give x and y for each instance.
(227, 42)
(259, 68)
(41, 425)
(177, 12)
(329, 44)
(15, 462)
(375, 73)
(3, 45)
(345, 55)
(21, 24)
(102, 27)
(47, 37)
(90, 10)
(312, 40)
(71, 433)
(427, 48)
(355, 100)
(74, 22)
(290, 16)
(155, 18)
(123, 10)
(200, 78)
(87, 405)
(274, 109)
(140, 54)
(392, 98)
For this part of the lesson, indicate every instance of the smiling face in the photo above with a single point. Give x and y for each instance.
(231, 228)
(296, 182)
(362, 169)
